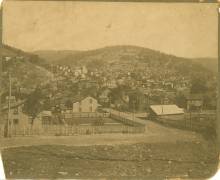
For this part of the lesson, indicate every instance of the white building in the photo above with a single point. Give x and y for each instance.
(88, 104)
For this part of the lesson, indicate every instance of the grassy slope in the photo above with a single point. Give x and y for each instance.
(209, 63)
(25, 72)
(122, 58)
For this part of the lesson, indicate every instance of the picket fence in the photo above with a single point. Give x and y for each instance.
(67, 130)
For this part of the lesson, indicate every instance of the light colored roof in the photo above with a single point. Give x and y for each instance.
(166, 109)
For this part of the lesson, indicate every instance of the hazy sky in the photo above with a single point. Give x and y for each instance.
(188, 30)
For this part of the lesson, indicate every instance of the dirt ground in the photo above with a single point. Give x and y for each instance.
(154, 161)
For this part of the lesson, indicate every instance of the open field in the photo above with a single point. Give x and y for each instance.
(146, 160)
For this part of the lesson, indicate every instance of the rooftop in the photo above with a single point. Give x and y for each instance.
(166, 109)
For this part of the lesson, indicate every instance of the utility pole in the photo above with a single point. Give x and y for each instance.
(9, 109)
(80, 106)
(133, 108)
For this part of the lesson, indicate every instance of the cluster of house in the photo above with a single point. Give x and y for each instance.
(17, 117)
(108, 78)
(67, 71)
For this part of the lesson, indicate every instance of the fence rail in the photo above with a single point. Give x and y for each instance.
(85, 115)
(126, 121)
(191, 122)
(126, 126)
(67, 130)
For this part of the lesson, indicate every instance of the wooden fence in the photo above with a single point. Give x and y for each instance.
(85, 115)
(126, 126)
(195, 122)
(62, 130)
(125, 120)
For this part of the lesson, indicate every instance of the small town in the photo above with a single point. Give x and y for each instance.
(89, 98)
(108, 90)
(124, 105)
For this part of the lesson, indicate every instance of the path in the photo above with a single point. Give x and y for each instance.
(151, 126)
(126, 115)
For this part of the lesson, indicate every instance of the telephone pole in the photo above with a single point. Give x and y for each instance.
(80, 105)
(9, 108)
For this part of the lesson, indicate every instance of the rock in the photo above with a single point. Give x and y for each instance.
(13, 162)
(169, 162)
(63, 173)
(185, 176)
(203, 163)
(141, 156)
(149, 170)
(189, 171)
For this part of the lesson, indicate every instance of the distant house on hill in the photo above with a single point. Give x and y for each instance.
(85, 104)
(111, 84)
(194, 102)
(165, 111)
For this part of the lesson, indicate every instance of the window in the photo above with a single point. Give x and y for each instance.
(90, 108)
(90, 100)
(80, 109)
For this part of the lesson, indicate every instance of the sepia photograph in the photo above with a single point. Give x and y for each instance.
(109, 90)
